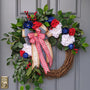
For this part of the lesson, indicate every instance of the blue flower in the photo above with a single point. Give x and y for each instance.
(25, 55)
(71, 46)
(65, 30)
(50, 19)
(28, 24)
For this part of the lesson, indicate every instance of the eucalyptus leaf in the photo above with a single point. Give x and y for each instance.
(29, 71)
(66, 15)
(49, 12)
(8, 41)
(5, 34)
(37, 70)
(21, 87)
(19, 24)
(37, 88)
(45, 8)
(47, 24)
(75, 25)
(40, 80)
(72, 16)
(3, 39)
(82, 40)
(40, 11)
(8, 63)
(52, 40)
(59, 45)
(36, 84)
(14, 25)
(74, 52)
(85, 45)
(66, 48)
(27, 87)
(60, 12)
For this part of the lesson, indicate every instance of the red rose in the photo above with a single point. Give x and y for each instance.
(54, 23)
(36, 25)
(72, 31)
(21, 53)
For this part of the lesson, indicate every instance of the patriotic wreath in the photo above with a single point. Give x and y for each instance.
(32, 40)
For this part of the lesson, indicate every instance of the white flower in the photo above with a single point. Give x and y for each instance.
(67, 39)
(27, 49)
(56, 31)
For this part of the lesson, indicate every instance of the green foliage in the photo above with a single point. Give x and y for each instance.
(16, 41)
(74, 52)
(14, 26)
(40, 11)
(21, 20)
(40, 80)
(59, 45)
(72, 16)
(21, 87)
(66, 48)
(19, 24)
(52, 40)
(5, 34)
(45, 8)
(49, 12)
(75, 25)
(85, 45)
(29, 71)
(60, 12)
(47, 24)
(67, 14)
(37, 70)
(27, 87)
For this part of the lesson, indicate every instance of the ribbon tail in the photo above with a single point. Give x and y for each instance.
(50, 50)
(35, 57)
(45, 48)
(41, 57)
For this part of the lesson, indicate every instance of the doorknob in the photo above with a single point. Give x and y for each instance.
(4, 82)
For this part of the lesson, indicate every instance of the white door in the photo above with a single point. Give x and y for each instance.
(78, 77)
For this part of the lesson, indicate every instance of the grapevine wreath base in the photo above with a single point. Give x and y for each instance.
(32, 40)
(64, 68)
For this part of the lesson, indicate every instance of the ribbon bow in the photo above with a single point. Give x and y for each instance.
(38, 40)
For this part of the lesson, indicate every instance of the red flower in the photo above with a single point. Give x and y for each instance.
(54, 23)
(29, 64)
(36, 24)
(21, 53)
(39, 74)
(35, 13)
(30, 57)
(72, 31)
(26, 68)
(76, 50)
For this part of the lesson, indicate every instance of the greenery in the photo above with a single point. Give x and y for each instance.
(16, 41)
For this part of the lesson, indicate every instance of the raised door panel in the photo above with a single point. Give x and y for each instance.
(7, 16)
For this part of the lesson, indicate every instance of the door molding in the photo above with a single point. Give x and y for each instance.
(77, 8)
(38, 4)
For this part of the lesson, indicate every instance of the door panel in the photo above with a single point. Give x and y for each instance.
(67, 5)
(26, 6)
(7, 16)
(78, 76)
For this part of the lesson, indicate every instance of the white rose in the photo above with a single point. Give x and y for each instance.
(67, 40)
(56, 31)
(27, 49)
